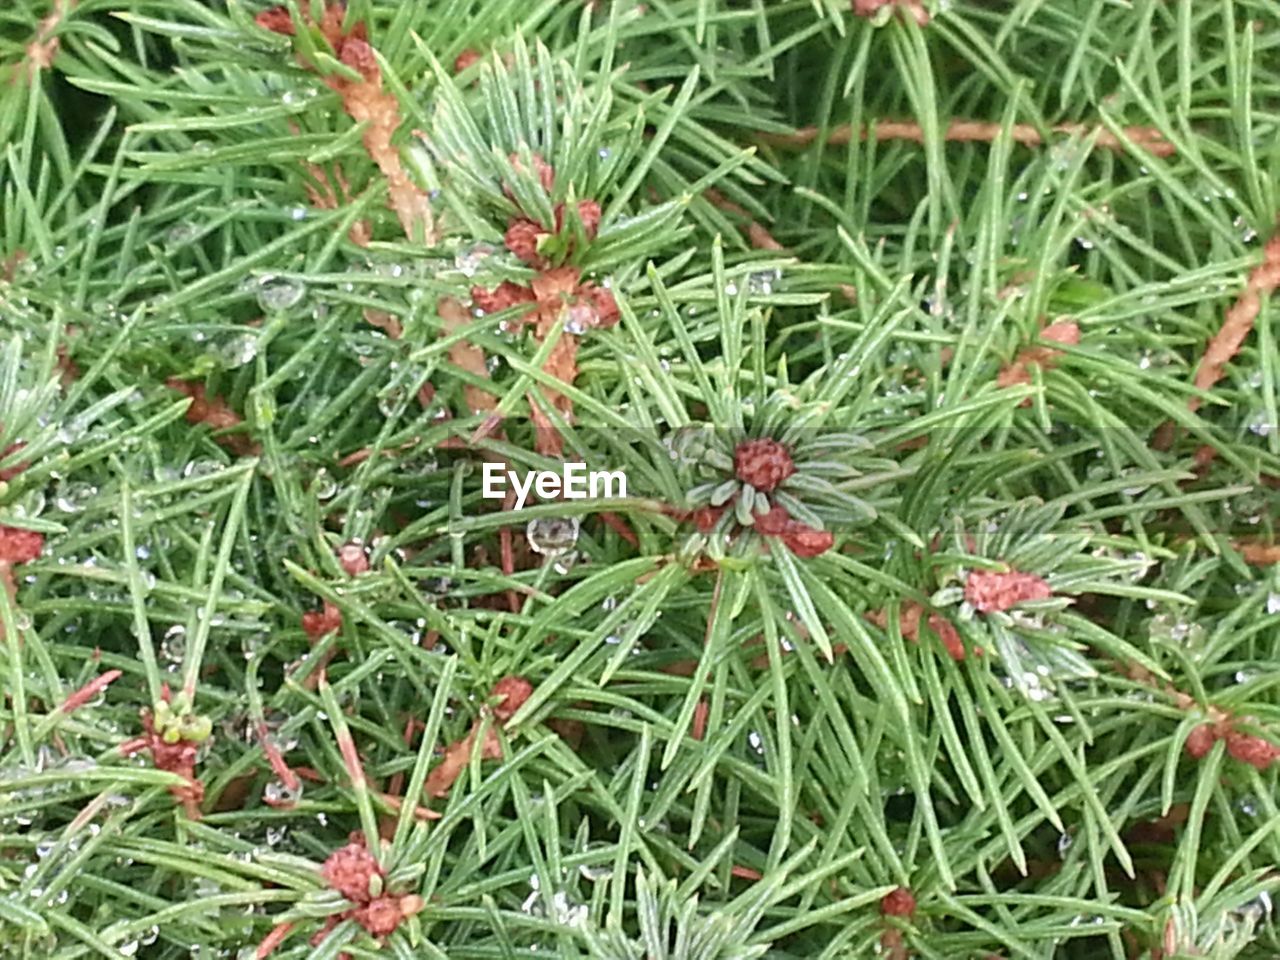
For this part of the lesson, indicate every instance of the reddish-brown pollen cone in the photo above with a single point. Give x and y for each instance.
(764, 464)
(465, 59)
(774, 523)
(806, 541)
(19, 546)
(588, 212)
(502, 297)
(380, 917)
(989, 591)
(801, 539)
(949, 636)
(513, 692)
(546, 175)
(898, 903)
(349, 870)
(1255, 751)
(869, 8)
(353, 559)
(277, 20)
(601, 303)
(1201, 740)
(359, 56)
(522, 238)
(705, 518)
(316, 623)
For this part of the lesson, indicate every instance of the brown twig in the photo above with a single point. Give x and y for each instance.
(1225, 344)
(1257, 553)
(44, 47)
(758, 235)
(367, 101)
(975, 131)
(1238, 322)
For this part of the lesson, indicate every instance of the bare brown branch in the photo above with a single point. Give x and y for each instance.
(975, 131)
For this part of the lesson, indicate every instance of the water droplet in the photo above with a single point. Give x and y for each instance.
(470, 261)
(239, 350)
(201, 468)
(174, 643)
(179, 235)
(1261, 426)
(70, 497)
(277, 794)
(595, 874)
(276, 295)
(552, 536)
(324, 486)
(390, 401)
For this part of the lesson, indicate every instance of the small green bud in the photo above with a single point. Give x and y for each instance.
(171, 735)
(375, 885)
(198, 729)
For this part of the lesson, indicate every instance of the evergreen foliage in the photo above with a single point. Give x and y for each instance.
(940, 617)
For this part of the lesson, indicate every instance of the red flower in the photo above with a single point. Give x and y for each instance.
(349, 870)
(19, 546)
(513, 691)
(898, 903)
(988, 590)
(763, 463)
